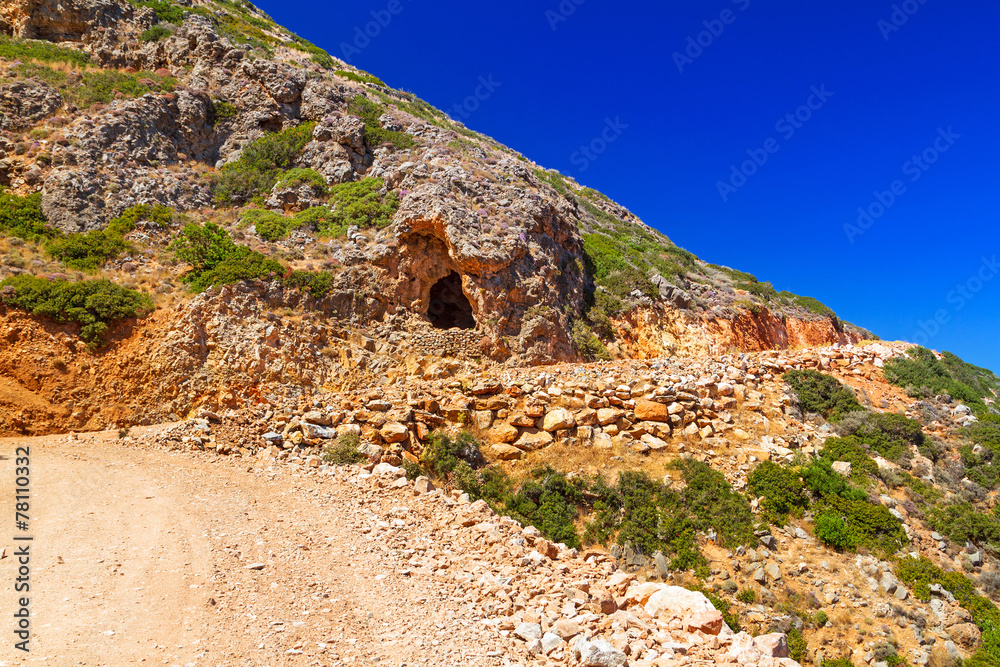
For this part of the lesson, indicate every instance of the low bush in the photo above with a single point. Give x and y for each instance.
(22, 217)
(94, 304)
(920, 573)
(317, 283)
(853, 451)
(781, 488)
(88, 251)
(822, 394)
(948, 375)
(713, 504)
(820, 619)
(747, 595)
(155, 34)
(344, 450)
(366, 203)
(216, 260)
(444, 453)
(360, 77)
(169, 12)
(261, 164)
(831, 529)
(296, 178)
(796, 645)
(587, 344)
(12, 49)
(963, 522)
(223, 111)
(375, 134)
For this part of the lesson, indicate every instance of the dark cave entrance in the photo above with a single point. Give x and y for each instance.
(449, 306)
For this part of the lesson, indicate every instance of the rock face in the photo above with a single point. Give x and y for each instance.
(25, 102)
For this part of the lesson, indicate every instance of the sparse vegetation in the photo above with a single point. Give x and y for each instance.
(13, 49)
(822, 394)
(375, 134)
(365, 203)
(261, 165)
(344, 450)
(360, 77)
(948, 375)
(216, 260)
(88, 251)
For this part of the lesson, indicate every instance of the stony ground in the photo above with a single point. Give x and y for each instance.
(154, 557)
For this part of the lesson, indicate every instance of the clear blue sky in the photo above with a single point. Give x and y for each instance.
(922, 83)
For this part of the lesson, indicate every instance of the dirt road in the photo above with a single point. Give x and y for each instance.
(156, 557)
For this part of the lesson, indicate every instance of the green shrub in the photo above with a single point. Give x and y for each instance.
(822, 394)
(549, 501)
(781, 488)
(94, 304)
(216, 260)
(765, 291)
(837, 662)
(891, 435)
(587, 344)
(820, 619)
(224, 111)
(103, 86)
(88, 251)
(948, 375)
(713, 504)
(820, 478)
(365, 203)
(747, 595)
(155, 34)
(269, 225)
(22, 217)
(260, 165)
(963, 522)
(12, 49)
(866, 524)
(853, 451)
(375, 134)
(443, 453)
(808, 303)
(796, 645)
(344, 450)
(832, 530)
(317, 283)
(169, 12)
(295, 178)
(362, 77)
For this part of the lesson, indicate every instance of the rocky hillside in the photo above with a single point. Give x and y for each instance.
(214, 111)
(208, 221)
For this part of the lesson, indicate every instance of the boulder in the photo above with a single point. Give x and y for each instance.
(597, 653)
(394, 432)
(503, 433)
(709, 622)
(651, 411)
(558, 419)
(506, 452)
(533, 439)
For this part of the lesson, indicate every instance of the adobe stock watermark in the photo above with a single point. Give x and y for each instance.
(901, 13)
(363, 35)
(487, 86)
(562, 12)
(787, 126)
(959, 298)
(714, 28)
(584, 155)
(915, 167)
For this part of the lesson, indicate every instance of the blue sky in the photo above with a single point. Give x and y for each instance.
(820, 110)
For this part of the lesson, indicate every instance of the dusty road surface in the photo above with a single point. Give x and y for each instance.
(156, 557)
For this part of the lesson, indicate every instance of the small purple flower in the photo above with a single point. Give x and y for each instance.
(482, 213)
(503, 225)
(523, 237)
(404, 192)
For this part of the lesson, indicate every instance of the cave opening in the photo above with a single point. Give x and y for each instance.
(449, 306)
